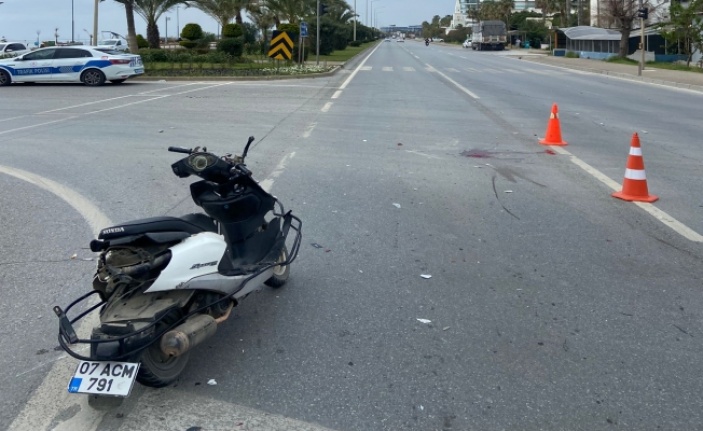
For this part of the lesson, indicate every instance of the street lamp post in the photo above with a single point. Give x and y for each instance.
(73, 25)
(95, 23)
(372, 12)
(178, 25)
(166, 38)
(355, 19)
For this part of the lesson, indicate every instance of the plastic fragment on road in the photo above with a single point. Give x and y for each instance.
(316, 245)
(396, 205)
(211, 382)
(424, 320)
(508, 191)
(74, 255)
(426, 275)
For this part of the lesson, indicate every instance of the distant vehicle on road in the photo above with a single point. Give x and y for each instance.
(118, 45)
(70, 64)
(467, 43)
(488, 35)
(13, 49)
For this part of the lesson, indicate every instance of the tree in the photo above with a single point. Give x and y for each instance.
(263, 18)
(131, 29)
(223, 11)
(505, 8)
(151, 11)
(550, 7)
(685, 28)
(622, 13)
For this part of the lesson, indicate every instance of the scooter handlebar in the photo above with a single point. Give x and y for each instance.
(180, 150)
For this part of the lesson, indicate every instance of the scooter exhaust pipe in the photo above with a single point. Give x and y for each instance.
(188, 335)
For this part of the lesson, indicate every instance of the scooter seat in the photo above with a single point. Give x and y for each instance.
(189, 223)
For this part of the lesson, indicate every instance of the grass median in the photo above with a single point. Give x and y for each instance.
(183, 63)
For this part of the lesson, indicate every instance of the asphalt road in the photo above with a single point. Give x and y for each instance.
(551, 305)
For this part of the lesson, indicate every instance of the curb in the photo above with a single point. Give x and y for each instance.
(621, 75)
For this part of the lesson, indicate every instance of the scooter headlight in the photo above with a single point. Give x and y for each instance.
(200, 161)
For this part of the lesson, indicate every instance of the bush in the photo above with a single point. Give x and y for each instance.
(572, 54)
(355, 43)
(232, 30)
(154, 55)
(142, 42)
(233, 46)
(192, 31)
(188, 44)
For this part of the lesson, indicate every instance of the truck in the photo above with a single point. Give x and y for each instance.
(489, 35)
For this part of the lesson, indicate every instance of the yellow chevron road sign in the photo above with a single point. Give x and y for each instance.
(281, 47)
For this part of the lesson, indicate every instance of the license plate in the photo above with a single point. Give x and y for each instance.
(104, 378)
(138, 70)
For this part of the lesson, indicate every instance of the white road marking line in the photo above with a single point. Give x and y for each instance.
(267, 184)
(353, 74)
(92, 214)
(429, 156)
(366, 68)
(456, 84)
(52, 397)
(655, 212)
(409, 69)
(387, 68)
(76, 115)
(309, 129)
(327, 107)
(451, 69)
(337, 94)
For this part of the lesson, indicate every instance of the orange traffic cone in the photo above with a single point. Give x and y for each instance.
(553, 135)
(634, 186)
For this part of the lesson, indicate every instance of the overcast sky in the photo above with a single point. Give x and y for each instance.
(21, 19)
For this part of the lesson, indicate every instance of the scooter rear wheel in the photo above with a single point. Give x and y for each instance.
(158, 369)
(280, 273)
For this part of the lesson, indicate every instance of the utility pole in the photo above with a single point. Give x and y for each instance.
(317, 36)
(355, 18)
(95, 23)
(73, 25)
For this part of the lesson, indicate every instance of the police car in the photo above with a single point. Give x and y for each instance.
(71, 64)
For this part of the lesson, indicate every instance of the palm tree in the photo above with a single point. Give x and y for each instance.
(151, 11)
(263, 19)
(291, 10)
(225, 11)
(131, 29)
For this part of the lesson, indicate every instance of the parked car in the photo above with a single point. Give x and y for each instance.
(70, 64)
(467, 43)
(13, 49)
(113, 45)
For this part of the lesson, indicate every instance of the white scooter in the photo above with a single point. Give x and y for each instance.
(166, 283)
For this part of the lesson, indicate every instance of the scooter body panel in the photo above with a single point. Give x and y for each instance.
(196, 256)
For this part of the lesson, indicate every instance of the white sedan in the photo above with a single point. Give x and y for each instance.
(70, 64)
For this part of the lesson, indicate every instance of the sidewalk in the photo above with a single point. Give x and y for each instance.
(672, 78)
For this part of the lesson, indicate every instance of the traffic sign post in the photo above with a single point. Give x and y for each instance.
(303, 35)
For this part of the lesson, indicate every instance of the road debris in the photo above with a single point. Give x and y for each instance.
(426, 275)
(424, 320)
(396, 205)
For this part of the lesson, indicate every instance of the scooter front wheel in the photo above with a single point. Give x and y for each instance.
(280, 272)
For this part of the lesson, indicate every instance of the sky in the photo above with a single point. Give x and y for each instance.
(20, 20)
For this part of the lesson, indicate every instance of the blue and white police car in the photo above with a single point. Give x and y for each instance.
(70, 64)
